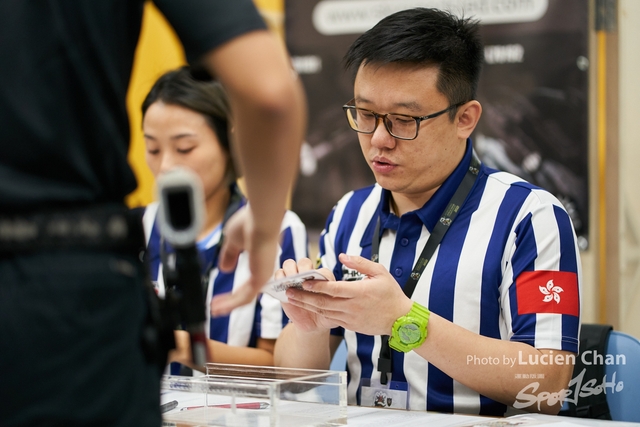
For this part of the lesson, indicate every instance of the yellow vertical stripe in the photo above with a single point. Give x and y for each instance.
(158, 50)
(602, 160)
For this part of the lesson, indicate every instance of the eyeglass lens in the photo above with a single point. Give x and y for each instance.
(398, 125)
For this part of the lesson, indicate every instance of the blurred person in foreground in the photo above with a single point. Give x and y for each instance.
(73, 307)
(187, 122)
(456, 287)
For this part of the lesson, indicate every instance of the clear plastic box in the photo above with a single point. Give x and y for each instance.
(240, 395)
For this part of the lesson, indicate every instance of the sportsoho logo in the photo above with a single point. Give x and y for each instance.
(579, 386)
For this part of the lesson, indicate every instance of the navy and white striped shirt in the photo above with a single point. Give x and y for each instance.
(264, 318)
(506, 229)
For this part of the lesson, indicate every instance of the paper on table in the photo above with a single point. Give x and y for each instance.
(522, 420)
(378, 417)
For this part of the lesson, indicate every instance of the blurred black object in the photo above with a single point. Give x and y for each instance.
(181, 215)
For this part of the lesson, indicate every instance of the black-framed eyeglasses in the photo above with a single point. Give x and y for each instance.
(399, 126)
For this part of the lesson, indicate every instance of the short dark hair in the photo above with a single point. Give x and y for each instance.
(428, 37)
(195, 92)
(194, 89)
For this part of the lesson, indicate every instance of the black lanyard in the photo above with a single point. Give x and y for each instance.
(441, 228)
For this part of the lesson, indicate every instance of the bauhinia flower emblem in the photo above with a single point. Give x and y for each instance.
(551, 292)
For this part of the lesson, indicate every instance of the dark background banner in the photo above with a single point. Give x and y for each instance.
(533, 89)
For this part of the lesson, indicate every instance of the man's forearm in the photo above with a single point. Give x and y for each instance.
(272, 150)
(269, 120)
(506, 371)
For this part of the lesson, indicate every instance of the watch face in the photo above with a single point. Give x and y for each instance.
(409, 333)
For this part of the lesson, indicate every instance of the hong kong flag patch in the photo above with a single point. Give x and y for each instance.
(548, 292)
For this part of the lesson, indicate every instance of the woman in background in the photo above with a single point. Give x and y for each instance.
(186, 122)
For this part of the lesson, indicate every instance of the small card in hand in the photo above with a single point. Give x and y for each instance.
(277, 287)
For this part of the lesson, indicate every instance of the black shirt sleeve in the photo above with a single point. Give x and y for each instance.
(203, 25)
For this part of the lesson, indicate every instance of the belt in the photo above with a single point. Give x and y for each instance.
(102, 227)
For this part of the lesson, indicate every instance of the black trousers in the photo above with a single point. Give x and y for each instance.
(70, 341)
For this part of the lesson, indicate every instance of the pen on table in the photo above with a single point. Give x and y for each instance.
(249, 405)
(165, 407)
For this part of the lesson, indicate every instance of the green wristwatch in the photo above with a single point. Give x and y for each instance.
(410, 331)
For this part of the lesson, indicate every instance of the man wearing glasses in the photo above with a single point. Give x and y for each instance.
(469, 292)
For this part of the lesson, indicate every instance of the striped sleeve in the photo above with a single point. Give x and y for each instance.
(347, 223)
(294, 242)
(541, 288)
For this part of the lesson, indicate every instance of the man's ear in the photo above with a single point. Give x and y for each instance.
(468, 116)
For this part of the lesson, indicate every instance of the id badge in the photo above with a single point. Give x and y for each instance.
(394, 394)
